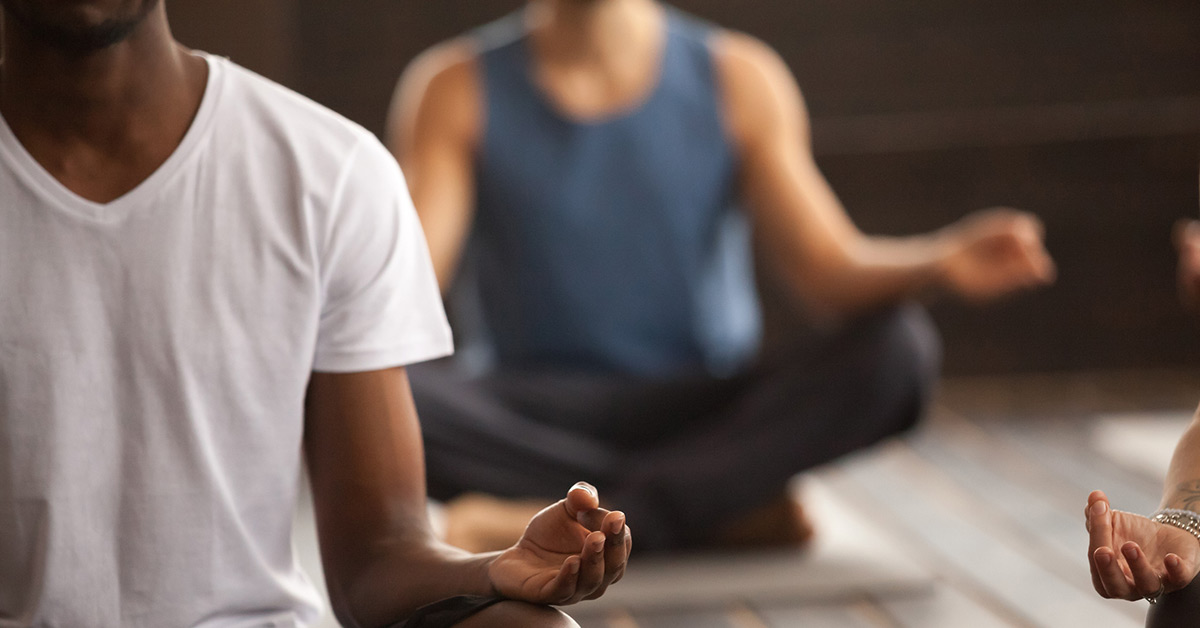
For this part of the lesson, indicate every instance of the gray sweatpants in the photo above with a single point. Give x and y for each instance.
(680, 456)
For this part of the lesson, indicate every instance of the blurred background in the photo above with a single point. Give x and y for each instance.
(1087, 114)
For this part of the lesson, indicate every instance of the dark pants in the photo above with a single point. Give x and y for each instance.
(683, 456)
(1177, 610)
(448, 612)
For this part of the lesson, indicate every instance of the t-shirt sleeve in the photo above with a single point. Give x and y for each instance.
(382, 306)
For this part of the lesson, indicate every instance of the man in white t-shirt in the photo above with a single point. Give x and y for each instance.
(203, 276)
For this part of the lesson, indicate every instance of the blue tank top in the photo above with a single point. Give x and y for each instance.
(614, 244)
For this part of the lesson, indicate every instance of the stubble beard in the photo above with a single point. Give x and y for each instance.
(73, 38)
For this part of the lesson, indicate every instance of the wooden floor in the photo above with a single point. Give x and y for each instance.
(987, 498)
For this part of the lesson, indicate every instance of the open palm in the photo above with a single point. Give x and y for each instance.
(1132, 557)
(571, 551)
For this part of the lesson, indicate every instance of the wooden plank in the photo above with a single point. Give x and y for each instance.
(743, 616)
(820, 616)
(1015, 494)
(1142, 442)
(1062, 448)
(683, 618)
(848, 558)
(588, 620)
(944, 607)
(600, 618)
(945, 520)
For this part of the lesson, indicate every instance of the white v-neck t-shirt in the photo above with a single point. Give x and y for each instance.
(154, 354)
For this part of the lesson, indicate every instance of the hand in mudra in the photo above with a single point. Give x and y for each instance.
(994, 252)
(572, 550)
(1132, 557)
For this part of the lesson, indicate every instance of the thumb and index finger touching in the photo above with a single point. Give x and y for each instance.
(1022, 236)
(1029, 232)
(583, 506)
(581, 500)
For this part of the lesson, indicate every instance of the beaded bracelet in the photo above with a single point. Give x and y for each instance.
(1185, 520)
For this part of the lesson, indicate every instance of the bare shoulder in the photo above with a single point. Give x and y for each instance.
(745, 57)
(758, 90)
(444, 69)
(439, 89)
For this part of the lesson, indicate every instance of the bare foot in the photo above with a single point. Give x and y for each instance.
(779, 523)
(483, 523)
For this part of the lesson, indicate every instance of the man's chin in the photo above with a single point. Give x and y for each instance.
(78, 26)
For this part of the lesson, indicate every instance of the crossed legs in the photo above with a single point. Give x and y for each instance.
(683, 457)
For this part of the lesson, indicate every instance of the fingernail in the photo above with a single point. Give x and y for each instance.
(583, 485)
(574, 566)
(1102, 560)
(1172, 561)
(618, 525)
(1099, 508)
(1130, 552)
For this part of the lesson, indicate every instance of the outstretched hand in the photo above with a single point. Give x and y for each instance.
(571, 551)
(1133, 557)
(994, 252)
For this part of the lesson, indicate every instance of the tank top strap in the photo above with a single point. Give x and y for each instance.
(506, 59)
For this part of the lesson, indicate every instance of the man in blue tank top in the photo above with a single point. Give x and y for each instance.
(594, 169)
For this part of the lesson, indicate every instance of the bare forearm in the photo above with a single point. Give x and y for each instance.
(983, 257)
(871, 272)
(1182, 489)
(399, 578)
(830, 263)
(365, 464)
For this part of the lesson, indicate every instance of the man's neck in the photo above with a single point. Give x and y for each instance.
(596, 32)
(100, 121)
(79, 94)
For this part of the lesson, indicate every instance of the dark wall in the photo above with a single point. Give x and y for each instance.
(259, 34)
(1088, 114)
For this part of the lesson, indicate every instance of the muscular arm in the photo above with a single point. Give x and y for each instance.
(364, 453)
(803, 225)
(434, 124)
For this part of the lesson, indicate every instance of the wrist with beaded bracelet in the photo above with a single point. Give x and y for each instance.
(1185, 520)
